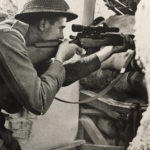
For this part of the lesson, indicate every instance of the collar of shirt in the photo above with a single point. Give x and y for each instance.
(21, 27)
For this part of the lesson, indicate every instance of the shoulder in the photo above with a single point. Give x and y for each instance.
(10, 29)
(11, 40)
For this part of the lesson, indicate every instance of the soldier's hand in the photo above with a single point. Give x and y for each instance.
(139, 63)
(67, 50)
(124, 47)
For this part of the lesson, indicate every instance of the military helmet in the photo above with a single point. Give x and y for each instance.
(36, 8)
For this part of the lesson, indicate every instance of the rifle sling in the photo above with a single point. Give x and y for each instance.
(104, 91)
(101, 93)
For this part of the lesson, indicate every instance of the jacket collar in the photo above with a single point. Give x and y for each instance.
(21, 27)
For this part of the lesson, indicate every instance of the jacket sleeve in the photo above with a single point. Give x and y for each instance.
(34, 92)
(80, 68)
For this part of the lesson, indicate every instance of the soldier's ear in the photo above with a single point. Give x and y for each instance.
(43, 24)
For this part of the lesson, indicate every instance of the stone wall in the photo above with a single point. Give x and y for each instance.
(142, 27)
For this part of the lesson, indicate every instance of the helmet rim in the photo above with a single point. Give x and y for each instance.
(35, 8)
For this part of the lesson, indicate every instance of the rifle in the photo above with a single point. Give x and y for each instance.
(91, 38)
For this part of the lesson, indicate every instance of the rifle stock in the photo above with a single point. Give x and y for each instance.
(43, 51)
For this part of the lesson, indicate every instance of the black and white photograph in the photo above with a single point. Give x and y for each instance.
(74, 74)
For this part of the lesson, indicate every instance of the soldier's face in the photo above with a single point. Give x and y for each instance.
(55, 31)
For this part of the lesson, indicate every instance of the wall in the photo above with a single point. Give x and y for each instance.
(102, 10)
(142, 33)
